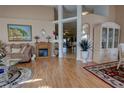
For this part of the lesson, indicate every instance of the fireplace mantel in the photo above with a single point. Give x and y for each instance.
(44, 46)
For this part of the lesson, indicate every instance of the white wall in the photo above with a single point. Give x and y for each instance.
(35, 12)
(92, 20)
(102, 10)
(120, 20)
(36, 28)
(40, 17)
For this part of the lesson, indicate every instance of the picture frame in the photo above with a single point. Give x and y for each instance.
(18, 32)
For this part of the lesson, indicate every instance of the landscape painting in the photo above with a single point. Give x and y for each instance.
(19, 32)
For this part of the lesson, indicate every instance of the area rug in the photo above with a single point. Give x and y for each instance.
(108, 73)
(16, 76)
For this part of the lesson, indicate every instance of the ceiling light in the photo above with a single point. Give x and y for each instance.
(87, 10)
(85, 13)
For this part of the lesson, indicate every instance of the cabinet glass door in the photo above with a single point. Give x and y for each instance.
(116, 38)
(104, 37)
(110, 38)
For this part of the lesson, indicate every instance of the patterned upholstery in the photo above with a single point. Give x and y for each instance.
(3, 72)
(24, 56)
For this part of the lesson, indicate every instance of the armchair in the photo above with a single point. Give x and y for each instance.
(20, 51)
(3, 73)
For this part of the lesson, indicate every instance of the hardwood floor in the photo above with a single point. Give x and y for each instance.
(60, 73)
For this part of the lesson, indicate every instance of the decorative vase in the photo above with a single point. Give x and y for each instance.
(33, 58)
(85, 55)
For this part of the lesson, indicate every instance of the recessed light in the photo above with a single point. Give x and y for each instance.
(85, 13)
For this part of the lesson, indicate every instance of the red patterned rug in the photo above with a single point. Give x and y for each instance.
(108, 73)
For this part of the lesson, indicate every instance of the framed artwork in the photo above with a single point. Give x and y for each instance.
(19, 32)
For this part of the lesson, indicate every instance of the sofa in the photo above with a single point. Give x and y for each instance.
(21, 51)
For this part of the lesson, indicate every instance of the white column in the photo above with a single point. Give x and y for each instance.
(79, 24)
(60, 28)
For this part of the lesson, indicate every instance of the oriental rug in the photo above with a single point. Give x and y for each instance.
(109, 73)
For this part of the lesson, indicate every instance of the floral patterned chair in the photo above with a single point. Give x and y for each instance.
(3, 68)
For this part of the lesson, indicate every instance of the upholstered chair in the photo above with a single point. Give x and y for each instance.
(20, 51)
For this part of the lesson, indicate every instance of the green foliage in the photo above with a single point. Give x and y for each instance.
(0, 44)
(24, 33)
(85, 45)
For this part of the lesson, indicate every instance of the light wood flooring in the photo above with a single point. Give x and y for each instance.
(61, 73)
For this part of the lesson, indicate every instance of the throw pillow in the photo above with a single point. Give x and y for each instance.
(16, 50)
(23, 49)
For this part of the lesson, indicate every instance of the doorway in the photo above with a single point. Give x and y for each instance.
(67, 15)
(69, 39)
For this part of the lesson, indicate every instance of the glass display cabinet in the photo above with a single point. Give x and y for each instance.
(106, 40)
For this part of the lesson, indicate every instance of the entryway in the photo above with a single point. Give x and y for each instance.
(69, 39)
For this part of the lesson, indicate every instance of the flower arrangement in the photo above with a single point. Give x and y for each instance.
(55, 34)
(2, 50)
(0, 44)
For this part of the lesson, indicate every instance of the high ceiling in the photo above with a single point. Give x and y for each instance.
(71, 11)
(98, 9)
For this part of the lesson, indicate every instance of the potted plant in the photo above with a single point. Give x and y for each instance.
(85, 46)
(2, 50)
(0, 44)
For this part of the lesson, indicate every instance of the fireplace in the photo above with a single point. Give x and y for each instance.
(43, 52)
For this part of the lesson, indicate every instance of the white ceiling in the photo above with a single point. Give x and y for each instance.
(98, 9)
(71, 10)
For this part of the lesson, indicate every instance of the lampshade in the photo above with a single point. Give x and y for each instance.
(85, 13)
